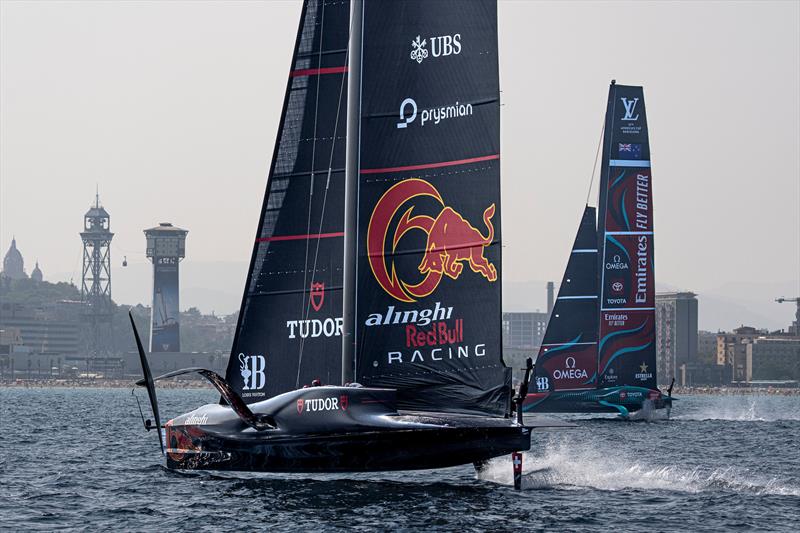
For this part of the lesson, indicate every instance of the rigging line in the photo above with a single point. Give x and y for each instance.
(313, 161)
(596, 156)
(325, 194)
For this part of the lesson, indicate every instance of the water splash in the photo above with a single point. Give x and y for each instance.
(569, 468)
(740, 408)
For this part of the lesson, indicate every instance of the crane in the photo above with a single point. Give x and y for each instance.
(796, 325)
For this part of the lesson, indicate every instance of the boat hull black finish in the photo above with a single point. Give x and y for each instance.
(315, 433)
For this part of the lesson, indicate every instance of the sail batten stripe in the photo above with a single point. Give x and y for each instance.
(317, 71)
(301, 237)
(588, 297)
(569, 343)
(636, 163)
(629, 233)
(585, 251)
(628, 309)
(431, 165)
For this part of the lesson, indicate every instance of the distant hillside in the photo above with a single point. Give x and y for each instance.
(29, 292)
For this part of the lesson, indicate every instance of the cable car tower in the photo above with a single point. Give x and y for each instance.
(96, 285)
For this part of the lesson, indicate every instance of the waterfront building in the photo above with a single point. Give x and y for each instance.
(773, 358)
(676, 336)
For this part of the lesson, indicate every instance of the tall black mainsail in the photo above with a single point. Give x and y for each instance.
(427, 309)
(568, 357)
(289, 329)
(626, 349)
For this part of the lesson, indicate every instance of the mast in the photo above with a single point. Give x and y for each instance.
(351, 189)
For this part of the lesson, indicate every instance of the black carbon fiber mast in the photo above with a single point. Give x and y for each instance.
(351, 189)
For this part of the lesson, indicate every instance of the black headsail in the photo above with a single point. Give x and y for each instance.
(626, 349)
(289, 329)
(568, 357)
(427, 310)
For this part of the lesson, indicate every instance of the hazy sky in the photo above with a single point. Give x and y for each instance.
(172, 109)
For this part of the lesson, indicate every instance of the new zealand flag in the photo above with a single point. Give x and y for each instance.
(630, 151)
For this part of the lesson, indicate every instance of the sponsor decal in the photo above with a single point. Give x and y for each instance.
(441, 46)
(436, 354)
(196, 420)
(617, 286)
(252, 368)
(630, 116)
(570, 372)
(615, 319)
(413, 316)
(610, 376)
(438, 334)
(623, 395)
(630, 108)
(451, 241)
(409, 112)
(312, 405)
(641, 269)
(418, 51)
(330, 327)
(617, 264)
(542, 384)
(643, 374)
(317, 295)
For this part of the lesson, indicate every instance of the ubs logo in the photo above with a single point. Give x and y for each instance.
(630, 109)
(251, 367)
(441, 46)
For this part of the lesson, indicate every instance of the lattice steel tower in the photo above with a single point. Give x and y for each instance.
(96, 286)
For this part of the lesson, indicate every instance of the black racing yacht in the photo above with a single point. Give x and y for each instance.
(599, 348)
(369, 336)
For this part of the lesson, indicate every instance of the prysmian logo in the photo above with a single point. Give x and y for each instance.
(409, 112)
(441, 46)
(630, 108)
(252, 369)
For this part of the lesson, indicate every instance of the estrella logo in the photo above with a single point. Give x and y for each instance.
(451, 241)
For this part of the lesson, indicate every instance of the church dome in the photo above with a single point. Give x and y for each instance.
(37, 275)
(13, 264)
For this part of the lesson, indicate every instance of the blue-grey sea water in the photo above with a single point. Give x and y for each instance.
(79, 459)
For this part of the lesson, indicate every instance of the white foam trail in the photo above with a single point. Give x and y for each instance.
(568, 467)
(742, 408)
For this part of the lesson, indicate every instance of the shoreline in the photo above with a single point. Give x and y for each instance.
(84, 383)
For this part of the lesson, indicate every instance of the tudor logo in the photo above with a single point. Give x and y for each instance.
(252, 368)
(452, 242)
(441, 46)
(317, 295)
(310, 405)
(630, 109)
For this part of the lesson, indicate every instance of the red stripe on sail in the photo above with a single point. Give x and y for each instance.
(317, 71)
(431, 165)
(301, 237)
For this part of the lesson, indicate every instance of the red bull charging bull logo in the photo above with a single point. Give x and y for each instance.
(451, 241)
